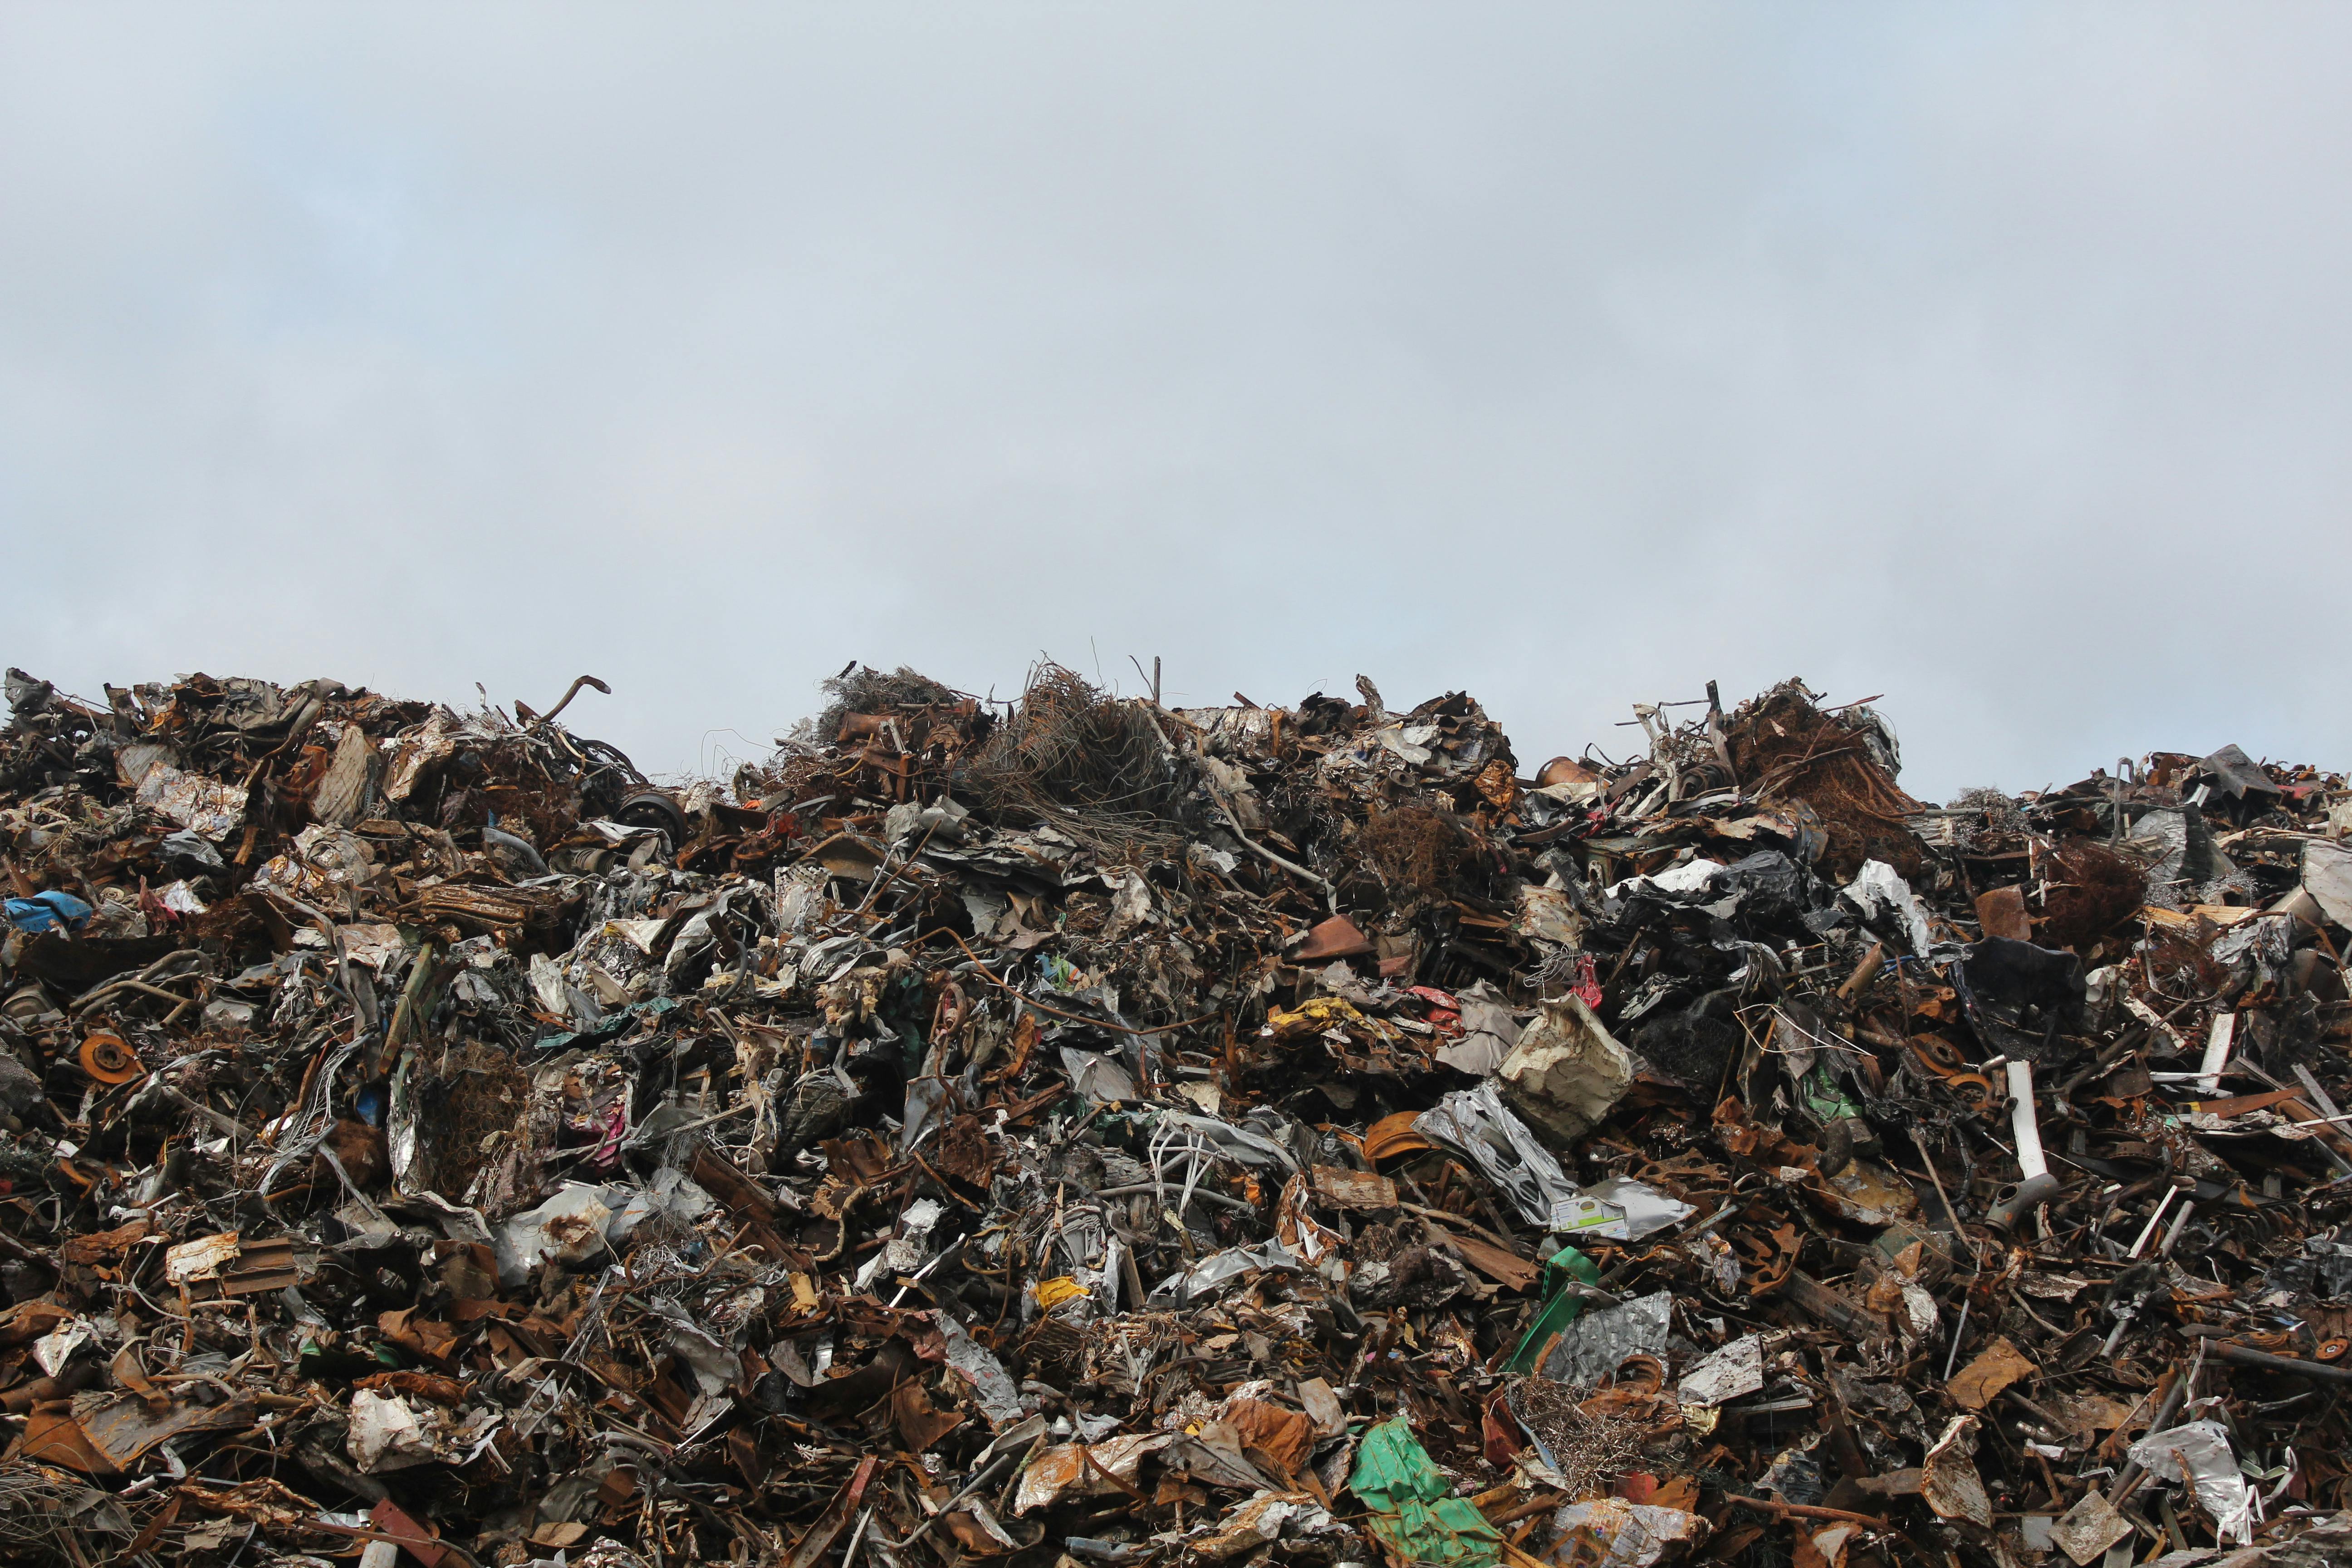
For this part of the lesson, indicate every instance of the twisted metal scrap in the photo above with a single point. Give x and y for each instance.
(39, 1507)
(312, 1122)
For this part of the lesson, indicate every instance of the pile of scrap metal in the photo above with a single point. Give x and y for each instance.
(1084, 1131)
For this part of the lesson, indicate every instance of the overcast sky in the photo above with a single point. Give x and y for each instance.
(1994, 358)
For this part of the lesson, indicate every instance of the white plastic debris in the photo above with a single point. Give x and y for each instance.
(570, 1227)
(1878, 888)
(1566, 1072)
(1690, 877)
(1646, 1210)
(388, 1433)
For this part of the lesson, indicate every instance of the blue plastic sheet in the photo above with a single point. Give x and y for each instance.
(52, 910)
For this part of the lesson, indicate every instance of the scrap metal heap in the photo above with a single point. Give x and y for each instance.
(1080, 1131)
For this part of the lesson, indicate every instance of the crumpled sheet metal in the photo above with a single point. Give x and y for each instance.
(2328, 878)
(1949, 1479)
(1269, 1518)
(2197, 1454)
(1477, 1125)
(1203, 1278)
(110, 1435)
(1735, 1370)
(998, 1398)
(1602, 1338)
(202, 806)
(1093, 1469)
(1628, 1534)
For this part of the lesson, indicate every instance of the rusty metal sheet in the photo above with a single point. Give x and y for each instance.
(1393, 1135)
(1354, 1189)
(1993, 1369)
(201, 1258)
(122, 1428)
(2001, 912)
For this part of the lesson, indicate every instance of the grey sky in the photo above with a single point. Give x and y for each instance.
(1991, 357)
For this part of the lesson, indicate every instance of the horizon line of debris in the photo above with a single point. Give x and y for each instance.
(1081, 1131)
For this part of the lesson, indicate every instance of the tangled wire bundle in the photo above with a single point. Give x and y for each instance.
(46, 1510)
(1786, 747)
(1593, 1449)
(1421, 854)
(865, 691)
(1094, 766)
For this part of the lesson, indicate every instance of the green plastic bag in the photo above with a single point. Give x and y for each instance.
(1413, 1512)
(1567, 1266)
